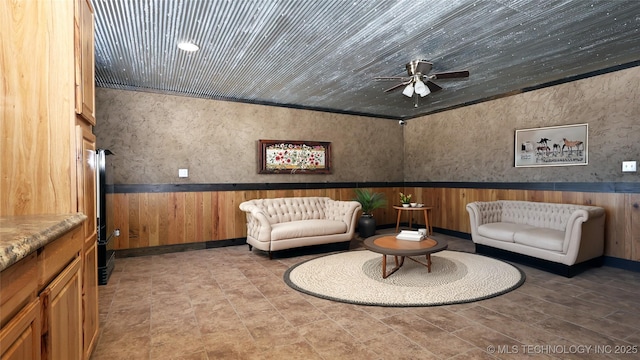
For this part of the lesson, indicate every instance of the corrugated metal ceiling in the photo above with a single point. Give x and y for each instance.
(324, 54)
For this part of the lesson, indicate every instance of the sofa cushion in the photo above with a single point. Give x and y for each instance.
(542, 238)
(306, 228)
(501, 231)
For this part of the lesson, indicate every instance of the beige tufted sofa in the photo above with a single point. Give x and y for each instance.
(562, 234)
(284, 223)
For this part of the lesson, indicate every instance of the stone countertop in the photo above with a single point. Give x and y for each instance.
(22, 235)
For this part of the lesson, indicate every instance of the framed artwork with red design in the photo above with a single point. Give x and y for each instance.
(294, 157)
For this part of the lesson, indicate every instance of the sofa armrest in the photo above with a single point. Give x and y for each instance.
(474, 219)
(483, 212)
(584, 234)
(345, 211)
(258, 225)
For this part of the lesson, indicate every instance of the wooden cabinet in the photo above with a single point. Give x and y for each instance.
(86, 167)
(20, 338)
(90, 315)
(51, 64)
(20, 311)
(86, 183)
(36, 103)
(60, 285)
(62, 309)
(86, 177)
(41, 302)
(18, 286)
(85, 61)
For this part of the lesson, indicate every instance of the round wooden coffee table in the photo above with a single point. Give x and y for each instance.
(389, 245)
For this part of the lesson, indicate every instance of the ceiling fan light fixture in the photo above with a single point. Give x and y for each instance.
(421, 89)
(418, 82)
(188, 46)
(408, 90)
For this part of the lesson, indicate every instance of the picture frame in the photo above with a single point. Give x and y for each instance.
(294, 157)
(552, 146)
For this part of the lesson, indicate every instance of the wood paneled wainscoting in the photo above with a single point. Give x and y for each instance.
(622, 228)
(151, 216)
(159, 218)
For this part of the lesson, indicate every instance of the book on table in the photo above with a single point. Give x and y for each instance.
(410, 235)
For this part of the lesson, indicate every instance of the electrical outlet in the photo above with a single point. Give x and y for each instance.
(183, 173)
(628, 166)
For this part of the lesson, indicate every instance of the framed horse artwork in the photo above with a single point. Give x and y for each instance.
(552, 146)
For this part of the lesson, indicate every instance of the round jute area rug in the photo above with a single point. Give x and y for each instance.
(356, 277)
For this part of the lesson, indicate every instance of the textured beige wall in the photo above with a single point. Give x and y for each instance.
(476, 143)
(154, 135)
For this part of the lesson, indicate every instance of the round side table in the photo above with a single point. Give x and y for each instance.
(425, 209)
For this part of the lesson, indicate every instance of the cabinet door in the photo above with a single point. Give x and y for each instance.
(62, 312)
(85, 61)
(86, 173)
(36, 109)
(86, 177)
(20, 338)
(90, 316)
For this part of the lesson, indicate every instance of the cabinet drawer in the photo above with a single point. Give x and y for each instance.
(18, 286)
(54, 256)
(20, 338)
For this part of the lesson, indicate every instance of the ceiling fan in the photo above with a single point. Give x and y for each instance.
(418, 82)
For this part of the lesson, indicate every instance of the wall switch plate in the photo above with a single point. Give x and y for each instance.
(183, 173)
(628, 166)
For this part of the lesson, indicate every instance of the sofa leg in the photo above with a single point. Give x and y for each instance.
(250, 247)
(270, 255)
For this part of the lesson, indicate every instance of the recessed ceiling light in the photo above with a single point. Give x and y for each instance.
(188, 46)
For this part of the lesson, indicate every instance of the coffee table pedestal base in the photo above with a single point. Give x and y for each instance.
(391, 246)
(401, 262)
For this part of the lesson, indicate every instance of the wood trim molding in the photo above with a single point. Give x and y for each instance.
(601, 187)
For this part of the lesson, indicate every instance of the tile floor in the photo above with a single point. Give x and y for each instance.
(229, 303)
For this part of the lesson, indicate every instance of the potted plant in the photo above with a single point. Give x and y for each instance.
(369, 201)
(405, 199)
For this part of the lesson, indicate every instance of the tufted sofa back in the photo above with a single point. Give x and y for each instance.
(280, 210)
(538, 214)
(545, 215)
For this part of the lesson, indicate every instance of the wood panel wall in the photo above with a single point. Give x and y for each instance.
(622, 211)
(154, 219)
(37, 132)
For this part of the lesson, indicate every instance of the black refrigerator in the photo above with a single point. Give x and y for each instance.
(106, 253)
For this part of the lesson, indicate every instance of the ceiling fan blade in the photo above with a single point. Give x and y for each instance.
(397, 86)
(451, 75)
(433, 86)
(389, 78)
